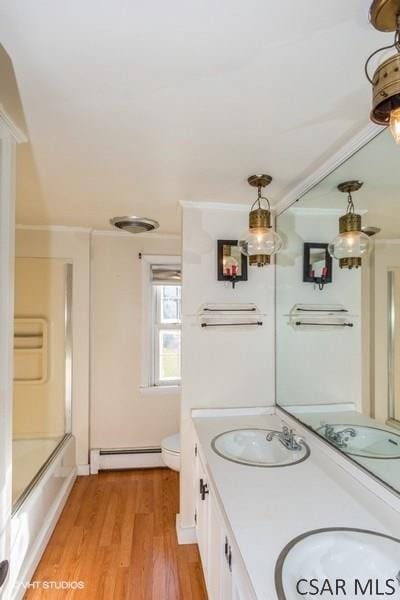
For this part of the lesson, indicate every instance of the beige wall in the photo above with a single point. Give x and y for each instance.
(39, 406)
(123, 415)
(73, 245)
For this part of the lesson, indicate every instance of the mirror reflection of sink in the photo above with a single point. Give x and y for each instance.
(362, 440)
(250, 447)
(339, 554)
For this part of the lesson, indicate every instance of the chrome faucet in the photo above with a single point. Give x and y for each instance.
(339, 438)
(286, 437)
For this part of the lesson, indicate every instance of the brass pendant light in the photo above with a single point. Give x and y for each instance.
(351, 244)
(385, 16)
(260, 241)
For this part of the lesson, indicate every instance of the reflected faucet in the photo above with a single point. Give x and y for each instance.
(286, 437)
(339, 438)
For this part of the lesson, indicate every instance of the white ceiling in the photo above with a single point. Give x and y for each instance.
(133, 106)
(377, 166)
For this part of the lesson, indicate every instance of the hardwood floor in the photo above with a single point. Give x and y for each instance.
(117, 535)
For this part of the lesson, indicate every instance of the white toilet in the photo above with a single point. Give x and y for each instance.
(171, 451)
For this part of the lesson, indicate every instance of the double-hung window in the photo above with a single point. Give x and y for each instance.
(166, 334)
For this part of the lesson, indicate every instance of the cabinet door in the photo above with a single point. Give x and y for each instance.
(226, 573)
(217, 551)
(241, 587)
(202, 514)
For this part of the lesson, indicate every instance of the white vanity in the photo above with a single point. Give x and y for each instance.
(246, 515)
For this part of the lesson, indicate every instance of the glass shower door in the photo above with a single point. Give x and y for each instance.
(394, 344)
(42, 366)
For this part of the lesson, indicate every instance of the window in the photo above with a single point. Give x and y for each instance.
(166, 327)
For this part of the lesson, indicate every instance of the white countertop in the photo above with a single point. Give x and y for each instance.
(267, 507)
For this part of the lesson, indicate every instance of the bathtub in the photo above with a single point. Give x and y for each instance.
(36, 512)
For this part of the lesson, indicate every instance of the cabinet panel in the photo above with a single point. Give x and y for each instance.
(202, 514)
(222, 566)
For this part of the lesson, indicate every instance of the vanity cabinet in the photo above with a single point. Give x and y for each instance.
(224, 572)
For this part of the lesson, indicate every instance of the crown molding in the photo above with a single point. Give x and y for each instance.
(325, 212)
(300, 210)
(138, 236)
(368, 133)
(215, 205)
(15, 131)
(53, 228)
(97, 232)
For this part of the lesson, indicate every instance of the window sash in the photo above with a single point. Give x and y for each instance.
(160, 326)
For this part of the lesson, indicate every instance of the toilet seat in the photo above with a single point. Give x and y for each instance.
(172, 444)
(171, 451)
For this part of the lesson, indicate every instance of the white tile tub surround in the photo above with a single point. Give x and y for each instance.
(266, 508)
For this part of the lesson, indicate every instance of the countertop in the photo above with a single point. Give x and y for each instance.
(267, 507)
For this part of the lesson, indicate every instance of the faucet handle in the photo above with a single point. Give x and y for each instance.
(285, 427)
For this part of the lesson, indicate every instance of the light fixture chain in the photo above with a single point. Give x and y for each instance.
(397, 40)
(259, 198)
(350, 204)
(396, 44)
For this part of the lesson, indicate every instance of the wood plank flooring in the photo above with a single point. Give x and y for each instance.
(117, 535)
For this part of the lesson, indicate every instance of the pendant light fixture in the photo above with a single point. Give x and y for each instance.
(385, 16)
(351, 244)
(260, 241)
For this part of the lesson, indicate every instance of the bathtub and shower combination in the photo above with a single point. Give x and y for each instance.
(43, 461)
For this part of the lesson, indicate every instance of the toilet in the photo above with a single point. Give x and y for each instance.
(171, 451)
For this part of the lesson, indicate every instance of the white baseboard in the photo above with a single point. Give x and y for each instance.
(83, 470)
(185, 535)
(94, 462)
(144, 460)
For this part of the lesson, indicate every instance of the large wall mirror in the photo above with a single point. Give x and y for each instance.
(338, 344)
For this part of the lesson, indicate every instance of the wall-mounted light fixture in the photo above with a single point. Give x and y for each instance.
(260, 242)
(385, 16)
(232, 264)
(351, 244)
(317, 264)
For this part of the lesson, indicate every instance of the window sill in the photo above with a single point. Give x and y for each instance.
(157, 390)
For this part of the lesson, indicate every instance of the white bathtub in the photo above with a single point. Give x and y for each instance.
(28, 457)
(34, 520)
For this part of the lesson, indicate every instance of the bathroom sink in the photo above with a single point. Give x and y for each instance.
(363, 441)
(340, 562)
(250, 447)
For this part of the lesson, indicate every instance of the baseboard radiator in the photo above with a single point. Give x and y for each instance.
(102, 459)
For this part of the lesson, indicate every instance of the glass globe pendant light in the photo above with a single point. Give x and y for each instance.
(260, 242)
(385, 16)
(351, 244)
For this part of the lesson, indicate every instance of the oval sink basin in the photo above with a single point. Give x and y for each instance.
(365, 441)
(340, 563)
(250, 447)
